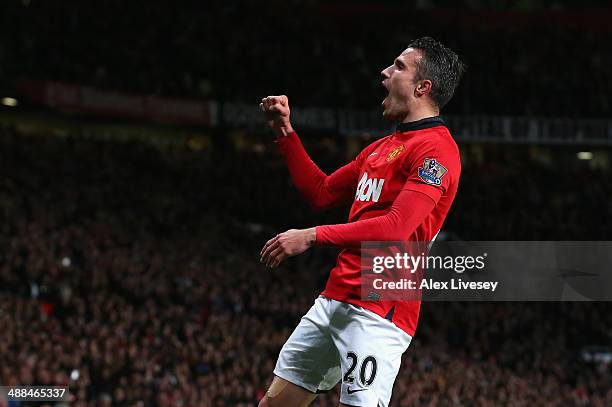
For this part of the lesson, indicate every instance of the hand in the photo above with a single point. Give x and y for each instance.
(287, 244)
(277, 113)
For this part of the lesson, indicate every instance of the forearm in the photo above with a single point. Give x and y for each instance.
(408, 211)
(319, 189)
(284, 130)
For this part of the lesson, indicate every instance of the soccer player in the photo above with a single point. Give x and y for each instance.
(401, 188)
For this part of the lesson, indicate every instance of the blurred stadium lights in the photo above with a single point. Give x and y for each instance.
(66, 262)
(8, 101)
(585, 155)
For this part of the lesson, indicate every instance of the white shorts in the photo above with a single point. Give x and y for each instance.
(337, 341)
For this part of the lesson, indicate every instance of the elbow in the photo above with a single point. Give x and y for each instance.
(398, 230)
(321, 200)
(396, 234)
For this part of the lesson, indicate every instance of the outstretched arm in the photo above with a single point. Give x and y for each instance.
(319, 189)
(408, 211)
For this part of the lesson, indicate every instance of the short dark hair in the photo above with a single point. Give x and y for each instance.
(441, 66)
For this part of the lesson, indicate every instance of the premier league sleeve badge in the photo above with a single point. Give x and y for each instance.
(432, 171)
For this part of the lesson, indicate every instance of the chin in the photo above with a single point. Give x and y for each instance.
(387, 115)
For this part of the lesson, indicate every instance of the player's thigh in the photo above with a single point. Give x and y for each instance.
(370, 349)
(282, 393)
(309, 359)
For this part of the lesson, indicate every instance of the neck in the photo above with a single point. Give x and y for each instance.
(420, 113)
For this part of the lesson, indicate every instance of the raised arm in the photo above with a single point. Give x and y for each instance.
(320, 190)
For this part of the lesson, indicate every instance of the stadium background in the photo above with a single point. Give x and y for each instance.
(138, 183)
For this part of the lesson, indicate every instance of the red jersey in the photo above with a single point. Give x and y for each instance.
(401, 187)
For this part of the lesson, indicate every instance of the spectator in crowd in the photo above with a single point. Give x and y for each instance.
(129, 273)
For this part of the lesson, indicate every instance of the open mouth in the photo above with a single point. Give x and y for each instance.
(386, 94)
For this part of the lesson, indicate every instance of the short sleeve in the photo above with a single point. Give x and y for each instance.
(433, 167)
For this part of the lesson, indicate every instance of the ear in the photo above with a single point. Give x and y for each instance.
(423, 88)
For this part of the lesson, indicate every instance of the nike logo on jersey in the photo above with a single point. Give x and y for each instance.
(369, 188)
(349, 391)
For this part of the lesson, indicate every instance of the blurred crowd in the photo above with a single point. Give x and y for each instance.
(130, 274)
(320, 56)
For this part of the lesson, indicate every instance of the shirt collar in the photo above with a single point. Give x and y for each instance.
(421, 124)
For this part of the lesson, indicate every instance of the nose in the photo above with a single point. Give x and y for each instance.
(385, 73)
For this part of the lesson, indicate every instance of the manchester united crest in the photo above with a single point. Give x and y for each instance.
(432, 171)
(395, 152)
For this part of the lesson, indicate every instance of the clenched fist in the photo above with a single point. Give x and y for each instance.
(277, 113)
